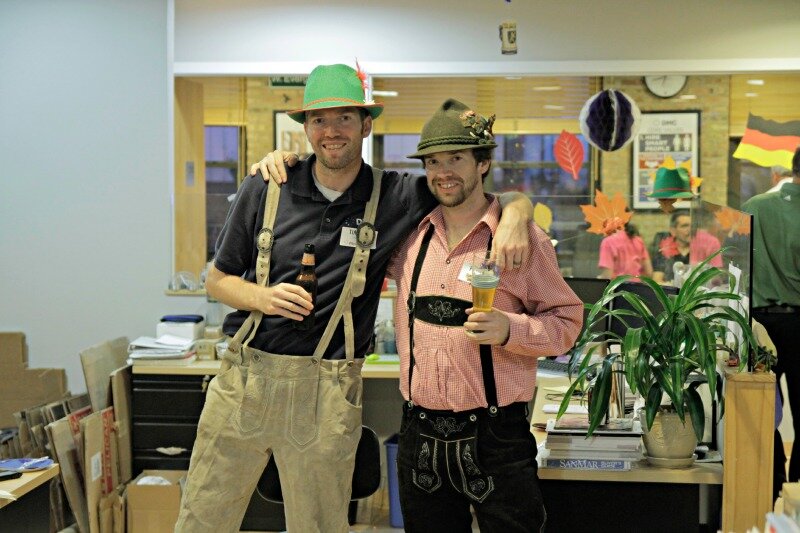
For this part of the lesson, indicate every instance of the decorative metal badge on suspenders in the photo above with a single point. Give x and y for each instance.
(365, 235)
(265, 239)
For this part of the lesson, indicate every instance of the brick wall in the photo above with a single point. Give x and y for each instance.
(713, 102)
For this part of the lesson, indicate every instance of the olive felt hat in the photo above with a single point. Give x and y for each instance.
(454, 126)
(671, 183)
(331, 86)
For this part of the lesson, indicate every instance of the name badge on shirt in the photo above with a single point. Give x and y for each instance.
(349, 238)
(465, 274)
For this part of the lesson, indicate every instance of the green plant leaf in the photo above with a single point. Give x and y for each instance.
(696, 411)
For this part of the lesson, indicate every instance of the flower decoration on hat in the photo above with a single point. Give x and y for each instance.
(479, 126)
(606, 216)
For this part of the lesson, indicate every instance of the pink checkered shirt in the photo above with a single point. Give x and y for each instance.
(545, 318)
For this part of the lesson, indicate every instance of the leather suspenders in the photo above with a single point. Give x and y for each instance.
(487, 366)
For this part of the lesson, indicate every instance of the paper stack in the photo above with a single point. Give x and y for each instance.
(163, 350)
(615, 445)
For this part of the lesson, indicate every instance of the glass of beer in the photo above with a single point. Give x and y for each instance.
(484, 277)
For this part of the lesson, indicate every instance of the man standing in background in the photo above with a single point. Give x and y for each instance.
(776, 295)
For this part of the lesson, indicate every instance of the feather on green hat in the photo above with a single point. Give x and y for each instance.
(455, 126)
(330, 86)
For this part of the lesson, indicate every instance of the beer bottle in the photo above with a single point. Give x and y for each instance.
(308, 280)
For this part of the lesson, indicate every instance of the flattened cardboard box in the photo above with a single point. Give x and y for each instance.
(98, 362)
(154, 508)
(12, 348)
(100, 461)
(22, 388)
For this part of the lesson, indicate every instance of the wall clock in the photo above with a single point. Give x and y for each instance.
(665, 86)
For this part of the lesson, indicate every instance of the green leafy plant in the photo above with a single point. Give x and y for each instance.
(669, 355)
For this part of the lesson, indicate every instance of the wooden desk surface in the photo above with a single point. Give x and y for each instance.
(704, 473)
(201, 368)
(22, 485)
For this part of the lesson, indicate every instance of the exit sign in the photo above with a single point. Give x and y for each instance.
(287, 81)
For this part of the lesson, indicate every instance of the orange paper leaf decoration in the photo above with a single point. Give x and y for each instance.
(606, 216)
(568, 152)
(733, 221)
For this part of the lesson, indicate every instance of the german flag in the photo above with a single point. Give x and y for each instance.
(768, 143)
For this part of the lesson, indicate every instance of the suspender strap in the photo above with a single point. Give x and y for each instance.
(487, 365)
(356, 275)
(412, 301)
(264, 243)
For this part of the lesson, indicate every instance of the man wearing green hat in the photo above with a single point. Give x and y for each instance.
(289, 393)
(467, 376)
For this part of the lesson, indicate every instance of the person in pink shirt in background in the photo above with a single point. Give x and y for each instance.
(466, 376)
(682, 246)
(624, 253)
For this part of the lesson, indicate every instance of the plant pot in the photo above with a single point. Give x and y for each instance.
(669, 442)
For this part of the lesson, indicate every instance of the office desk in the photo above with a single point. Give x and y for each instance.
(25, 514)
(211, 368)
(645, 498)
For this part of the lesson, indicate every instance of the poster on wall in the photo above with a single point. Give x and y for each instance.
(290, 135)
(672, 137)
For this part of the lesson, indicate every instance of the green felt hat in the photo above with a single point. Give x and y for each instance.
(454, 126)
(331, 86)
(671, 183)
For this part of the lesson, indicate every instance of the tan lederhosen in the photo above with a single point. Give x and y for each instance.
(303, 408)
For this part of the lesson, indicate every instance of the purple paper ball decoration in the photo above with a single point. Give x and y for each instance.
(609, 119)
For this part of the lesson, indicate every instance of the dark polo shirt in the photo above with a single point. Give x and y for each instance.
(306, 216)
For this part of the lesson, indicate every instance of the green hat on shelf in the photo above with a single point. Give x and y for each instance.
(455, 126)
(671, 183)
(330, 86)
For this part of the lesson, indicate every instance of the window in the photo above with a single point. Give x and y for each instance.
(223, 149)
(524, 163)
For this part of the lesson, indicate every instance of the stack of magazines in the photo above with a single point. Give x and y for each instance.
(163, 350)
(615, 445)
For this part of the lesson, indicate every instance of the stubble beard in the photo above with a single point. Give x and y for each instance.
(454, 201)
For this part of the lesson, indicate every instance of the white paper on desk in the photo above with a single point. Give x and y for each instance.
(571, 409)
(5, 495)
(163, 342)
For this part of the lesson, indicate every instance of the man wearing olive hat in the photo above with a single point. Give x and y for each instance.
(284, 392)
(467, 376)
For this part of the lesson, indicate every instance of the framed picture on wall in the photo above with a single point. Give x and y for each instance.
(290, 135)
(663, 136)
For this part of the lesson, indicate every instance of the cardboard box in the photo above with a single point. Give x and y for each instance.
(98, 362)
(185, 330)
(154, 508)
(12, 348)
(22, 388)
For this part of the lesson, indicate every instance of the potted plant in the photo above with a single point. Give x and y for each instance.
(664, 360)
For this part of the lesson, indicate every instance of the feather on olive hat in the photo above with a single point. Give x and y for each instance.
(330, 86)
(454, 126)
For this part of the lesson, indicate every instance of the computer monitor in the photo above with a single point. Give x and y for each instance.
(589, 290)
(617, 326)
